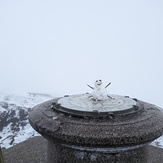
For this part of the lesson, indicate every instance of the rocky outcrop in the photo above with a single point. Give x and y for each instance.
(14, 124)
(15, 115)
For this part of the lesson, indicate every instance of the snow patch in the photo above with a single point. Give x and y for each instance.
(14, 108)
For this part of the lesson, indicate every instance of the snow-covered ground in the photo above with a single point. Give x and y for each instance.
(14, 124)
(27, 100)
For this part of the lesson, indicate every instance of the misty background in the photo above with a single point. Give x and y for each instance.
(58, 47)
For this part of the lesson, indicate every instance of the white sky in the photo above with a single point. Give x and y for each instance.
(60, 46)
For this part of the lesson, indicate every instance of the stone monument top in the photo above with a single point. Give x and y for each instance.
(97, 127)
(97, 104)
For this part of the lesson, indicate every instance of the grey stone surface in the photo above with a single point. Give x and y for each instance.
(34, 150)
(58, 153)
(122, 131)
(88, 140)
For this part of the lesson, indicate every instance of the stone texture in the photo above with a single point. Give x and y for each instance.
(124, 134)
(58, 153)
(34, 150)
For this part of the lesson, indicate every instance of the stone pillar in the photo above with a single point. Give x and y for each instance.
(115, 139)
(59, 153)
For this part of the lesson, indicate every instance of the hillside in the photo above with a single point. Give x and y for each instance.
(14, 124)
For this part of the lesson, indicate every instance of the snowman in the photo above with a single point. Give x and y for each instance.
(99, 92)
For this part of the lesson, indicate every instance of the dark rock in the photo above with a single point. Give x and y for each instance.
(4, 105)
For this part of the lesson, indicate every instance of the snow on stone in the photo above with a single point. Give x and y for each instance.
(158, 142)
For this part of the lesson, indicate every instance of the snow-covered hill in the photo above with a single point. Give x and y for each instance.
(14, 124)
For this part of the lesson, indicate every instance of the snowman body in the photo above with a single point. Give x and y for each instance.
(99, 92)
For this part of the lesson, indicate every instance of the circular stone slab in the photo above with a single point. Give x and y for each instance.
(126, 131)
(107, 140)
(85, 104)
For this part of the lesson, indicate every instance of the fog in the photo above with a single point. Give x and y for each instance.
(59, 47)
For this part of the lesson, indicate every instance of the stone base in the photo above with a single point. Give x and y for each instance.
(70, 154)
(34, 150)
(118, 138)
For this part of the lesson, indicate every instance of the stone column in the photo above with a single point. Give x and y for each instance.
(59, 153)
(118, 139)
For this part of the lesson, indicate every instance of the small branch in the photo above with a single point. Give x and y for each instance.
(90, 86)
(108, 85)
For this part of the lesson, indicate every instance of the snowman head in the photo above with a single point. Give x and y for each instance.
(98, 84)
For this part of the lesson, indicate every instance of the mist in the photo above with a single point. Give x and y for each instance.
(59, 47)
